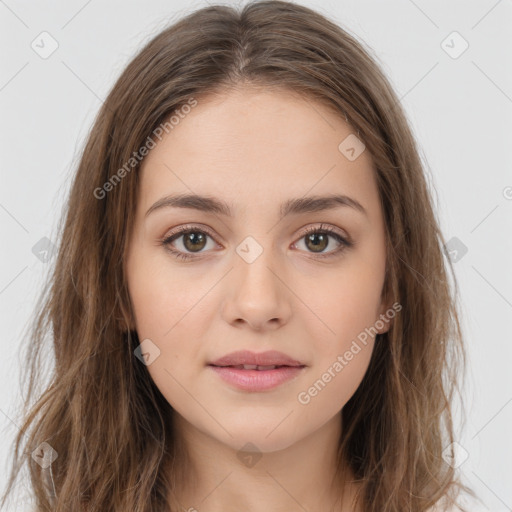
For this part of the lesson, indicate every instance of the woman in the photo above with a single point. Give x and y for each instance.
(250, 308)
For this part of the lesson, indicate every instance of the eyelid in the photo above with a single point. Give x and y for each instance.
(303, 232)
(180, 230)
(333, 230)
(345, 240)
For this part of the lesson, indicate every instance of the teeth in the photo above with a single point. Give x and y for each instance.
(254, 367)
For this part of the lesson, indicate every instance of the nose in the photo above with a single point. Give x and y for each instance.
(257, 294)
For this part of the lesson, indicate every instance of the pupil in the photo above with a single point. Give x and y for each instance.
(193, 239)
(318, 247)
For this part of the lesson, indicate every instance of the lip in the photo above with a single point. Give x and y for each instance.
(255, 380)
(268, 358)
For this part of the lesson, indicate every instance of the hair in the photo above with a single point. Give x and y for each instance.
(100, 411)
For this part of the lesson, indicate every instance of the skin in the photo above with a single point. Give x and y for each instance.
(255, 149)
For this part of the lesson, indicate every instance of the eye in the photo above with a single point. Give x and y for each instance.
(317, 239)
(194, 240)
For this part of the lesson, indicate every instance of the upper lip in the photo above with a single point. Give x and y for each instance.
(269, 358)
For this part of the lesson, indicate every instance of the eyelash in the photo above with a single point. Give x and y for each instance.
(324, 230)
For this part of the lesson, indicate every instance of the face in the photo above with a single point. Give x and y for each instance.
(254, 279)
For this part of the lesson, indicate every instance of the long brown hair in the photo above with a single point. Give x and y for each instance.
(100, 412)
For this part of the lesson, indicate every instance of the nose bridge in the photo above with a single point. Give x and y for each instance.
(255, 259)
(258, 294)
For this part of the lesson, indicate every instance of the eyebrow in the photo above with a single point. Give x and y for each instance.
(290, 207)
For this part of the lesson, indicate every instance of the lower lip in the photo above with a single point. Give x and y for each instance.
(257, 380)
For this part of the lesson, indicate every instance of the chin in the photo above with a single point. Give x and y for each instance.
(257, 439)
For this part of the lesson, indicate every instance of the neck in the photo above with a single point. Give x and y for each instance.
(214, 477)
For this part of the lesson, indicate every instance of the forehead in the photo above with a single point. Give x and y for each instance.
(251, 145)
(245, 122)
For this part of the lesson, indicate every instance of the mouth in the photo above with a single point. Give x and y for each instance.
(256, 371)
(257, 367)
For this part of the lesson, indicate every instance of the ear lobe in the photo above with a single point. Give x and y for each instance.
(387, 324)
(386, 316)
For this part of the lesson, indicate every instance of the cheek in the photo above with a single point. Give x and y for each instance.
(344, 348)
(169, 310)
(346, 303)
(163, 298)
(342, 301)
(331, 388)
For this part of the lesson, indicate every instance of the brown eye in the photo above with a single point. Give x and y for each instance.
(189, 241)
(317, 242)
(194, 241)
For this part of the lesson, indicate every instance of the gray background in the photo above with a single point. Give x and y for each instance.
(460, 108)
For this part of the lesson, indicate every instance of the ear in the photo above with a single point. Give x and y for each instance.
(387, 313)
